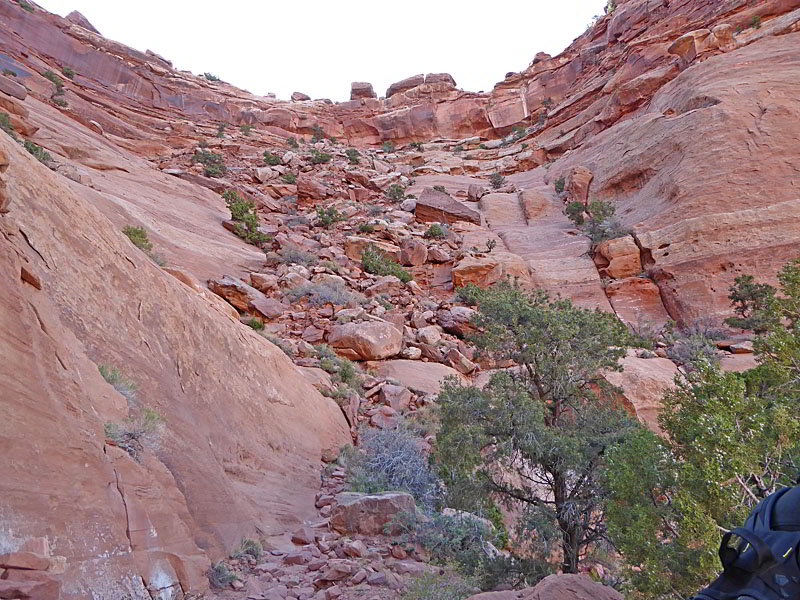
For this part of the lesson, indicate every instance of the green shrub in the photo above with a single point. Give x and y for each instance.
(436, 231)
(121, 383)
(292, 142)
(458, 149)
(318, 158)
(289, 178)
(393, 460)
(490, 245)
(329, 215)
(256, 324)
(6, 125)
(243, 212)
(9, 72)
(497, 180)
(353, 156)
(751, 302)
(440, 188)
(602, 223)
(57, 81)
(138, 235)
(396, 192)
(214, 163)
(248, 547)
(388, 147)
(24, 4)
(211, 77)
(292, 255)
(141, 431)
(38, 152)
(547, 102)
(417, 146)
(756, 23)
(376, 262)
(366, 228)
(325, 292)
(343, 372)
(444, 585)
(272, 159)
(220, 576)
(221, 130)
(59, 100)
(575, 212)
(559, 184)
(245, 129)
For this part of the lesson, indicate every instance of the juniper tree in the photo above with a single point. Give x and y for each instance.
(536, 436)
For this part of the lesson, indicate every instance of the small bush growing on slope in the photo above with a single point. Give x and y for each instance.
(6, 125)
(39, 153)
(243, 212)
(138, 236)
(388, 147)
(68, 72)
(125, 386)
(436, 231)
(353, 156)
(292, 255)
(393, 459)
(214, 163)
(329, 215)
(396, 192)
(445, 585)
(376, 262)
(319, 158)
(271, 159)
(497, 180)
(325, 292)
(220, 576)
(142, 430)
(289, 178)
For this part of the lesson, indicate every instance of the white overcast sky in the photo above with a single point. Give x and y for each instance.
(319, 47)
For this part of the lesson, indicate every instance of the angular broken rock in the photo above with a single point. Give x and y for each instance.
(354, 246)
(300, 97)
(396, 396)
(361, 89)
(246, 298)
(439, 207)
(488, 269)
(405, 85)
(618, 258)
(308, 187)
(369, 514)
(413, 252)
(367, 341)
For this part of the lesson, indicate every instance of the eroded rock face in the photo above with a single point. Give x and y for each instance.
(219, 472)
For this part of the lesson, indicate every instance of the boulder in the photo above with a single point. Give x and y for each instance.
(310, 188)
(486, 269)
(475, 192)
(618, 258)
(389, 284)
(570, 587)
(246, 298)
(12, 88)
(76, 18)
(445, 78)
(300, 97)
(440, 207)
(405, 84)
(368, 514)
(396, 396)
(367, 341)
(418, 376)
(413, 252)
(578, 182)
(361, 89)
(456, 320)
(354, 245)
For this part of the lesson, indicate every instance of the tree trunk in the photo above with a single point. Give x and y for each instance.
(569, 531)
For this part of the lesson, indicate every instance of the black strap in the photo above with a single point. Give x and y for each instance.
(761, 549)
